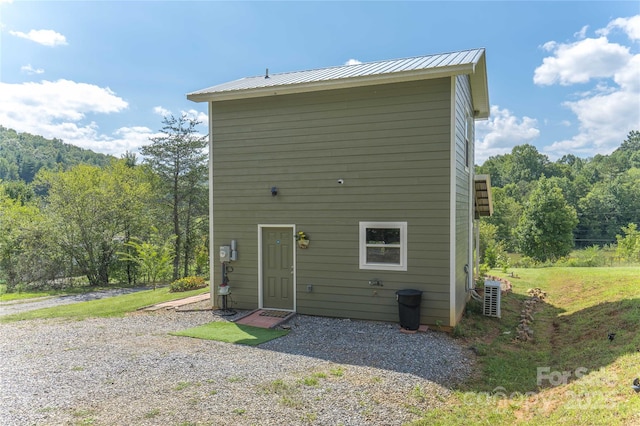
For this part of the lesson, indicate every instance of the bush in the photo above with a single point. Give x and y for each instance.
(593, 256)
(186, 284)
(524, 262)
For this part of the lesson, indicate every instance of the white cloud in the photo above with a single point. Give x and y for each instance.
(502, 132)
(605, 120)
(28, 69)
(628, 76)
(59, 109)
(352, 62)
(163, 112)
(631, 26)
(193, 114)
(202, 117)
(608, 110)
(43, 37)
(128, 139)
(582, 33)
(580, 62)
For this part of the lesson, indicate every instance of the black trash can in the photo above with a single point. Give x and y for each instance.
(409, 308)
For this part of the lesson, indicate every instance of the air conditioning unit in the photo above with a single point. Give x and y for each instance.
(492, 291)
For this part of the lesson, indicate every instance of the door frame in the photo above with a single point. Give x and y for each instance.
(260, 265)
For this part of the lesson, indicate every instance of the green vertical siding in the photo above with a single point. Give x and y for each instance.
(390, 144)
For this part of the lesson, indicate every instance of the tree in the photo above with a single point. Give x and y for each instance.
(18, 190)
(180, 160)
(628, 193)
(505, 217)
(91, 210)
(599, 214)
(154, 257)
(23, 155)
(545, 230)
(523, 165)
(494, 167)
(610, 205)
(526, 164)
(629, 245)
(625, 157)
(15, 219)
(27, 253)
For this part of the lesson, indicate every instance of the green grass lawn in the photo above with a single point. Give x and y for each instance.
(108, 307)
(9, 297)
(20, 295)
(231, 332)
(583, 379)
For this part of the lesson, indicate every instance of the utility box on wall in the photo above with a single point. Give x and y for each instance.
(492, 291)
(225, 253)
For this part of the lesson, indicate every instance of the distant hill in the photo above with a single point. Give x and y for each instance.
(23, 154)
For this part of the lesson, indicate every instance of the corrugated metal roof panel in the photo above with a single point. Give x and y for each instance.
(349, 71)
(379, 72)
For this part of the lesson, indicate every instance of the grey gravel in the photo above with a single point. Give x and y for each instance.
(130, 371)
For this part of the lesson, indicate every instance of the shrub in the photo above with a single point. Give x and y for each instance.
(593, 256)
(186, 284)
(524, 262)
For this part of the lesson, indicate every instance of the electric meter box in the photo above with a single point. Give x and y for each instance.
(225, 253)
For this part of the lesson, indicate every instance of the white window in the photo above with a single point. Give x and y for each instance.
(468, 134)
(383, 246)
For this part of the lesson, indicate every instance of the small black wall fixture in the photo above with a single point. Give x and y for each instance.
(274, 191)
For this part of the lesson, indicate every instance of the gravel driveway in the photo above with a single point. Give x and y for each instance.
(130, 371)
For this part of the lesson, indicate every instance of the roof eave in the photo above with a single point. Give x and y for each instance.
(343, 83)
(480, 90)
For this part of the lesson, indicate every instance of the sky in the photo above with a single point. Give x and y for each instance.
(563, 76)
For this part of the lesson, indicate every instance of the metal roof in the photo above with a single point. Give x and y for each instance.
(470, 62)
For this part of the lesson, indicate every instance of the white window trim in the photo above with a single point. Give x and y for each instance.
(468, 134)
(403, 246)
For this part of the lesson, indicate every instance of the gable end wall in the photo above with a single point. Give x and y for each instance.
(391, 144)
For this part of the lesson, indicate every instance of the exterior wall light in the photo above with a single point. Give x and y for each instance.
(274, 191)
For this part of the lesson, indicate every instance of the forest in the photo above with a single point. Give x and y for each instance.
(67, 212)
(545, 209)
(22, 155)
(69, 215)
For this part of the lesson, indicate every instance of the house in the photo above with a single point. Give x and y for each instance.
(372, 163)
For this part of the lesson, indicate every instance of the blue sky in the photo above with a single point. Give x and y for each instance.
(563, 76)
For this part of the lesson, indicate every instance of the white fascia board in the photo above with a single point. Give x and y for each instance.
(480, 90)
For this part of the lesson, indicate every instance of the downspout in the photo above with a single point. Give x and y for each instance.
(477, 262)
(472, 196)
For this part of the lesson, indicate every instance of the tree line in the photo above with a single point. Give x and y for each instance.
(121, 220)
(22, 155)
(545, 209)
(130, 221)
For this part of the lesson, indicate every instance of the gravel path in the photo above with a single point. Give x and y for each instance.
(24, 305)
(130, 371)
